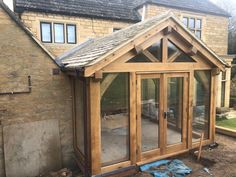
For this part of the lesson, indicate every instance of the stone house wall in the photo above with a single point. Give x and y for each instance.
(50, 98)
(86, 27)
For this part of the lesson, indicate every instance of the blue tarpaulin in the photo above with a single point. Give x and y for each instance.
(167, 168)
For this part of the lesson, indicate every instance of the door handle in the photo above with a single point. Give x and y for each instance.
(165, 115)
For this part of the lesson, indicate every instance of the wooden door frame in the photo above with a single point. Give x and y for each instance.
(163, 149)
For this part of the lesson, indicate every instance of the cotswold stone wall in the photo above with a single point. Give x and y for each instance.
(214, 29)
(86, 27)
(50, 98)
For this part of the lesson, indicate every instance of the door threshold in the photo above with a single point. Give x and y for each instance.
(161, 157)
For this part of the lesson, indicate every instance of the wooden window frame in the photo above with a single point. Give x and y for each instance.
(54, 34)
(41, 32)
(195, 29)
(67, 34)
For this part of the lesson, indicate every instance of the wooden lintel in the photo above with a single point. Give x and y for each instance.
(193, 51)
(167, 30)
(138, 49)
(98, 75)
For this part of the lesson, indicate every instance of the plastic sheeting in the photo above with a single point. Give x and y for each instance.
(167, 168)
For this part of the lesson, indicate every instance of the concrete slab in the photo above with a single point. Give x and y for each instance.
(32, 148)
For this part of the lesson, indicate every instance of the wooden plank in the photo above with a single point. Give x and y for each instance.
(163, 121)
(174, 56)
(133, 135)
(168, 30)
(164, 50)
(150, 56)
(190, 108)
(213, 105)
(98, 75)
(200, 147)
(151, 67)
(105, 84)
(193, 51)
(115, 167)
(124, 48)
(95, 129)
(139, 126)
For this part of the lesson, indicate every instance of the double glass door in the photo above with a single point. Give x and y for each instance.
(161, 114)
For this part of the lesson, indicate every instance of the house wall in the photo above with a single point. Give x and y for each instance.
(50, 98)
(86, 27)
(215, 28)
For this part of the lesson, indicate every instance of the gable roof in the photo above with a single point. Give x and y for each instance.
(93, 51)
(112, 9)
(13, 16)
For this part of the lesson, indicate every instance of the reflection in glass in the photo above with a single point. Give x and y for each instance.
(71, 34)
(150, 114)
(156, 50)
(115, 118)
(201, 104)
(174, 110)
(177, 55)
(140, 58)
(46, 32)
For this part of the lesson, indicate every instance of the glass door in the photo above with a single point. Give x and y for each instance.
(161, 114)
(175, 112)
(148, 115)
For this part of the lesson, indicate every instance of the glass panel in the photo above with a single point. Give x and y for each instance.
(59, 33)
(191, 23)
(176, 55)
(71, 34)
(150, 114)
(198, 34)
(199, 24)
(201, 104)
(116, 29)
(115, 118)
(139, 59)
(156, 50)
(80, 114)
(46, 32)
(223, 94)
(175, 110)
(185, 21)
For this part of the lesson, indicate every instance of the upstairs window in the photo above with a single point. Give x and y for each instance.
(71, 34)
(59, 33)
(194, 25)
(46, 32)
(59, 36)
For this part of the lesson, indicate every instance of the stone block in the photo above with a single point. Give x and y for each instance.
(32, 148)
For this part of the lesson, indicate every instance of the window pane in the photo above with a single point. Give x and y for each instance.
(191, 23)
(201, 104)
(175, 110)
(71, 34)
(156, 50)
(150, 114)
(185, 21)
(198, 34)
(80, 114)
(46, 32)
(59, 33)
(140, 58)
(199, 24)
(115, 118)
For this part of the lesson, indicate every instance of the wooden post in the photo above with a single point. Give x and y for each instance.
(95, 126)
(200, 147)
